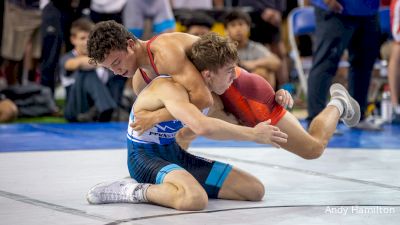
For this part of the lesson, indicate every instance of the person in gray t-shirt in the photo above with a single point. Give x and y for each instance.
(253, 56)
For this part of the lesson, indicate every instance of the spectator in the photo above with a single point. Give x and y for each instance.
(101, 10)
(199, 24)
(57, 18)
(252, 55)
(196, 4)
(355, 25)
(266, 16)
(159, 11)
(88, 99)
(394, 63)
(8, 110)
(21, 25)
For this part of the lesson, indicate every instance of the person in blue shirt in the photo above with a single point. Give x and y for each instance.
(340, 25)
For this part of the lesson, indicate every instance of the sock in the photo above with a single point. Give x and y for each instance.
(338, 104)
(139, 192)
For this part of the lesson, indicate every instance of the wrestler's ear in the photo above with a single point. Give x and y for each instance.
(206, 75)
(130, 43)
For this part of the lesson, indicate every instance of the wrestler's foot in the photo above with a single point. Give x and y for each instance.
(351, 113)
(125, 190)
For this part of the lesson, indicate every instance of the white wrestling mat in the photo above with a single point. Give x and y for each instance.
(344, 186)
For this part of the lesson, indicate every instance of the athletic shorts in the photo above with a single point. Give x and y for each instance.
(395, 19)
(20, 27)
(150, 163)
(159, 11)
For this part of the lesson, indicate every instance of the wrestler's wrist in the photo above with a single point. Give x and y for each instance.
(253, 135)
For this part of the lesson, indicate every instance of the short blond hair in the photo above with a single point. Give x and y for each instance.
(212, 52)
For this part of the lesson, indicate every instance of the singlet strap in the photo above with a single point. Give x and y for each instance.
(145, 77)
(151, 54)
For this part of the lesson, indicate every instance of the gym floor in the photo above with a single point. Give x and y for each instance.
(46, 170)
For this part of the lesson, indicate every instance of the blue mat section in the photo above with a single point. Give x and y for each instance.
(77, 136)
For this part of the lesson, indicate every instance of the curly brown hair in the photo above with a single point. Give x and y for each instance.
(105, 37)
(212, 52)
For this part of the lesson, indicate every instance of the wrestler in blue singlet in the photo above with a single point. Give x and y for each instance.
(155, 153)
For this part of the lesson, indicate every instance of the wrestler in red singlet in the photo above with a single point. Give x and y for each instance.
(250, 98)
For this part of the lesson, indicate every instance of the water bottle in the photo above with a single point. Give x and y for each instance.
(386, 105)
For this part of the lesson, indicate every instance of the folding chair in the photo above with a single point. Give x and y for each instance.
(301, 21)
(384, 20)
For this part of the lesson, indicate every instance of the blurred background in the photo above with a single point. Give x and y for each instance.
(286, 42)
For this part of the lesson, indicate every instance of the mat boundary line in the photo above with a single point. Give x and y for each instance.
(240, 208)
(52, 206)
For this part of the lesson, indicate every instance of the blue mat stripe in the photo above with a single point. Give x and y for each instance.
(77, 136)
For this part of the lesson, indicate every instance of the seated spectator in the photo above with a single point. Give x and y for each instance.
(31, 100)
(8, 110)
(199, 24)
(88, 98)
(253, 56)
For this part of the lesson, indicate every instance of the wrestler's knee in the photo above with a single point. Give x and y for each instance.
(257, 191)
(191, 199)
(245, 185)
(314, 151)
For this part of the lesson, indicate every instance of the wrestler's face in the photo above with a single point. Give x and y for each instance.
(238, 30)
(122, 62)
(220, 80)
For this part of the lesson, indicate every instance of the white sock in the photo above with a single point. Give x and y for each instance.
(338, 104)
(139, 192)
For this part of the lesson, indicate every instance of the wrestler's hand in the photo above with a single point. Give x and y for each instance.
(268, 134)
(144, 120)
(184, 137)
(284, 98)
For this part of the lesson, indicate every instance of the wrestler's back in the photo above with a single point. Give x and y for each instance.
(169, 54)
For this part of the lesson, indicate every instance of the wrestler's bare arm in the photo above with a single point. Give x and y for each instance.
(176, 100)
(171, 59)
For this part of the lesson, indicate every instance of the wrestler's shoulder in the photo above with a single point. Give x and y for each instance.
(162, 83)
(174, 40)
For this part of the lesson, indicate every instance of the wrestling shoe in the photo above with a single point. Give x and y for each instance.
(125, 190)
(351, 113)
